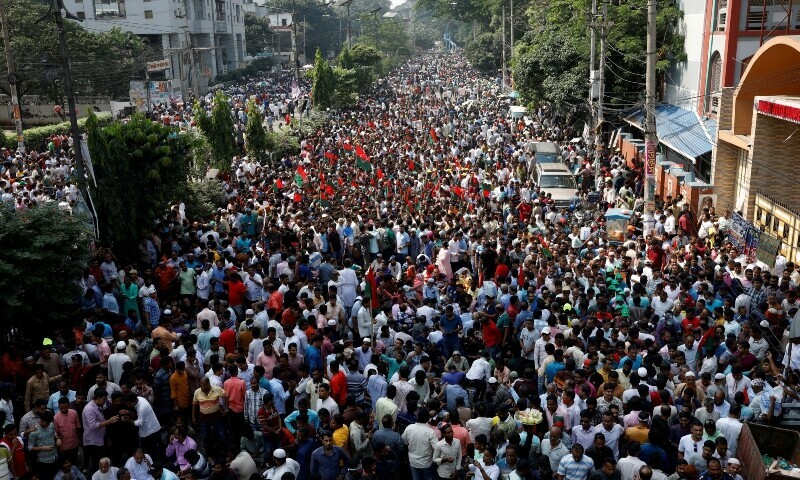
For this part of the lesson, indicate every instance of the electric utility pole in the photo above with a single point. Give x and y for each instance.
(650, 136)
(504, 45)
(12, 80)
(592, 74)
(598, 128)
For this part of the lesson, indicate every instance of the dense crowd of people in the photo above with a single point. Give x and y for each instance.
(402, 298)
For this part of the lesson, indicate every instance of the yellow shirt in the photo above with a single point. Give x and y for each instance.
(341, 437)
(209, 403)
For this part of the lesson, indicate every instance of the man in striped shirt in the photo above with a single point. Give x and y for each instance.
(576, 466)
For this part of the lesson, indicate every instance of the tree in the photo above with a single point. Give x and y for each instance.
(256, 134)
(364, 60)
(45, 250)
(484, 51)
(257, 32)
(345, 93)
(218, 130)
(324, 82)
(550, 62)
(102, 63)
(142, 168)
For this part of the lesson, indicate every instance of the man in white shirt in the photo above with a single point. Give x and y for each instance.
(479, 373)
(421, 443)
(629, 466)
(731, 427)
(283, 465)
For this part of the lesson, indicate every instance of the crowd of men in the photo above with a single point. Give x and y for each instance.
(401, 298)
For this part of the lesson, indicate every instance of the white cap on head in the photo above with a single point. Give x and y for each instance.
(546, 331)
(279, 453)
(642, 372)
(121, 345)
(492, 380)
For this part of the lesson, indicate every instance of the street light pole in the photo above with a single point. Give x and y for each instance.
(12, 80)
(80, 169)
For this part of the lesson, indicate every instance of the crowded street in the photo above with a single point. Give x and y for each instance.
(414, 293)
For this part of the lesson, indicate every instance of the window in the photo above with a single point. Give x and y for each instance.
(78, 1)
(109, 9)
(81, 15)
(148, 14)
(283, 22)
(722, 15)
(715, 84)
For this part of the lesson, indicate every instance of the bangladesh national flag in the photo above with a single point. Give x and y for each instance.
(300, 176)
(545, 248)
(323, 200)
(433, 137)
(486, 189)
(363, 165)
(412, 166)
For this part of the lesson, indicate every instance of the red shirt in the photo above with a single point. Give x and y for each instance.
(491, 334)
(227, 340)
(236, 293)
(690, 324)
(339, 387)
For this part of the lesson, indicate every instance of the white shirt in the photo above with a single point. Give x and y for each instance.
(480, 370)
(115, 363)
(730, 428)
(146, 418)
(628, 467)
(421, 442)
(140, 471)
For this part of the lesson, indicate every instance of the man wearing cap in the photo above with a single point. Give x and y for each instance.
(283, 465)
(116, 360)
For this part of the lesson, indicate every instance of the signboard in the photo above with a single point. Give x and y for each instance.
(158, 65)
(744, 235)
(650, 158)
(159, 93)
(784, 112)
(767, 249)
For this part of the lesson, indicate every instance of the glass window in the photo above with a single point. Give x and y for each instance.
(148, 14)
(109, 9)
(557, 181)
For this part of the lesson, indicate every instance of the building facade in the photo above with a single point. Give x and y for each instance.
(200, 38)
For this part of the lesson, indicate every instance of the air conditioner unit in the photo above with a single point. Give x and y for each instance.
(722, 18)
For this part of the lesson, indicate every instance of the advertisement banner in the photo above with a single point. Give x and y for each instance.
(159, 93)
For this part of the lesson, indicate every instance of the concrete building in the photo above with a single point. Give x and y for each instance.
(722, 37)
(755, 161)
(200, 38)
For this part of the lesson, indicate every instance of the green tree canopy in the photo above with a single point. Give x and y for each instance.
(257, 32)
(102, 63)
(256, 135)
(218, 130)
(45, 250)
(141, 169)
(324, 82)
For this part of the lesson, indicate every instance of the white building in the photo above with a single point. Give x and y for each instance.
(200, 38)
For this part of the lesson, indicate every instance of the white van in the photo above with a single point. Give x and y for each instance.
(557, 180)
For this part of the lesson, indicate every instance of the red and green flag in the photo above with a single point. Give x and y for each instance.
(433, 137)
(545, 248)
(300, 176)
(486, 189)
(371, 289)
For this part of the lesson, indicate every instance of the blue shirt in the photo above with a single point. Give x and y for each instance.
(376, 387)
(328, 466)
(313, 419)
(450, 325)
(636, 363)
(552, 369)
(52, 403)
(313, 358)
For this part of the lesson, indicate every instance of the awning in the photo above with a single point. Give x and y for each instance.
(681, 130)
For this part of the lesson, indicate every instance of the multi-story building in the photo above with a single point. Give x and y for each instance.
(200, 38)
(721, 39)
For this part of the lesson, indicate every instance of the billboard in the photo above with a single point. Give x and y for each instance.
(160, 92)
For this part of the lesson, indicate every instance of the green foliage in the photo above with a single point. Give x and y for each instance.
(485, 52)
(281, 144)
(550, 62)
(365, 56)
(346, 94)
(141, 168)
(324, 82)
(203, 198)
(103, 63)
(256, 135)
(45, 249)
(251, 70)
(218, 130)
(345, 59)
(36, 137)
(257, 32)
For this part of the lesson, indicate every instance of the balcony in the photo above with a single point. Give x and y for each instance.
(220, 26)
